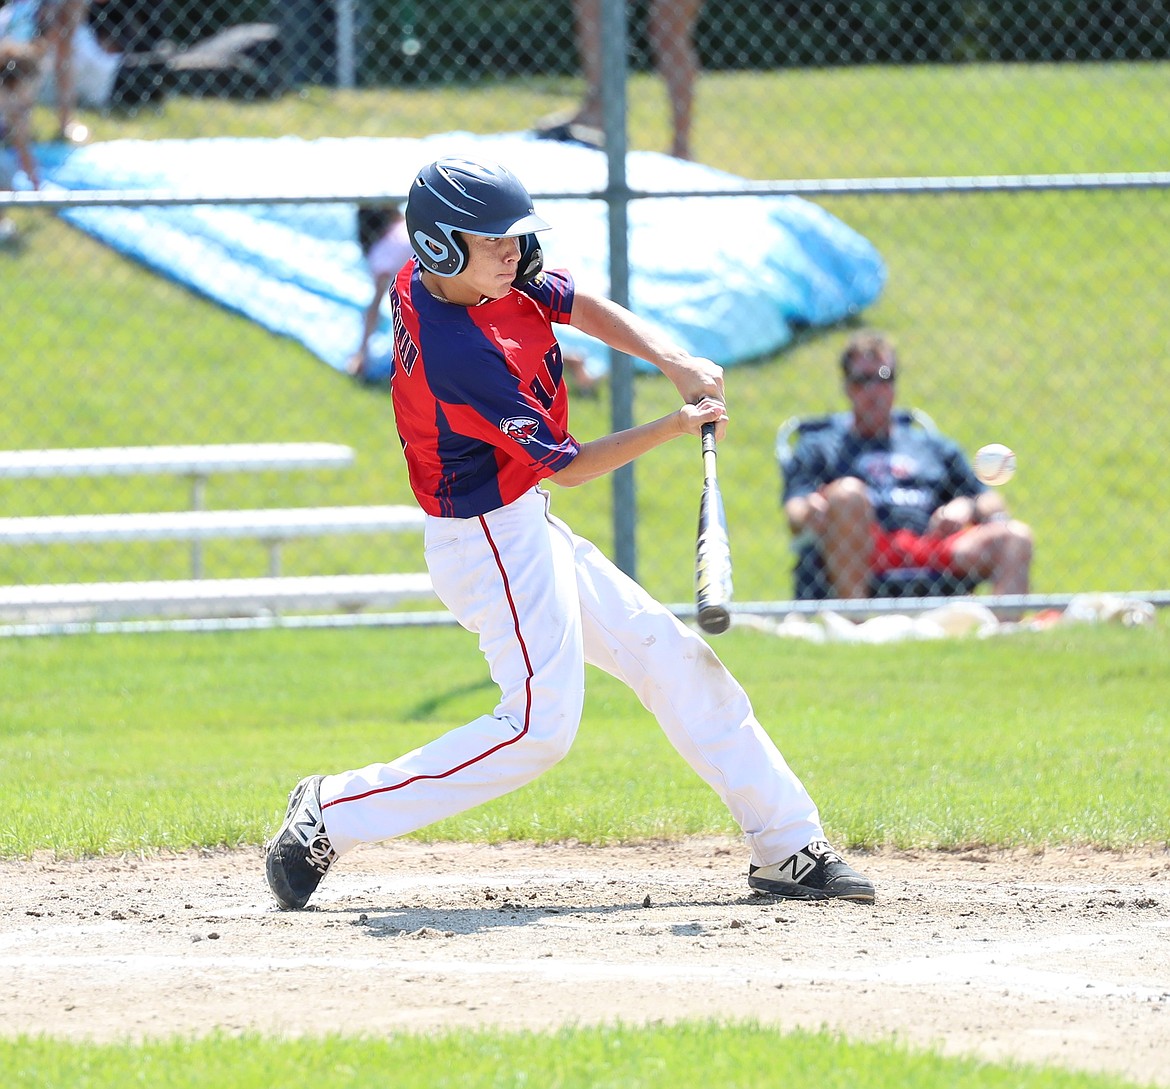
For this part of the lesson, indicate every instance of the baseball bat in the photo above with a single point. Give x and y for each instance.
(712, 549)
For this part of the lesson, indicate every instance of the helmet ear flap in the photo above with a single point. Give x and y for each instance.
(462, 249)
(445, 256)
(531, 260)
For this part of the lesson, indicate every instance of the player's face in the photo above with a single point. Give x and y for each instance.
(491, 265)
(870, 387)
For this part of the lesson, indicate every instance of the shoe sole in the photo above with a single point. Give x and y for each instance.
(285, 897)
(801, 892)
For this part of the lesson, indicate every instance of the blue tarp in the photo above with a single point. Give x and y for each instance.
(732, 278)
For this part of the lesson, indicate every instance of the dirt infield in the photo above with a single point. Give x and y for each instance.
(1062, 957)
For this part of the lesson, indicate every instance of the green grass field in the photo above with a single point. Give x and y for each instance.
(1031, 740)
(1036, 318)
(1025, 740)
(730, 1057)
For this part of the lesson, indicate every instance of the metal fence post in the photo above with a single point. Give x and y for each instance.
(346, 63)
(613, 88)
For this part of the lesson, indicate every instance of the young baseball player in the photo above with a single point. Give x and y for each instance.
(481, 409)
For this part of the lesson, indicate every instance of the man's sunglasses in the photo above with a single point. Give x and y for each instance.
(882, 376)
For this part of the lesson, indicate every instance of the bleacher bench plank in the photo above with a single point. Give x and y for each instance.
(210, 597)
(176, 460)
(200, 598)
(267, 524)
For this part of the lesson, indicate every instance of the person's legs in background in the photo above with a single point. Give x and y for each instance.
(64, 20)
(9, 232)
(1001, 552)
(672, 40)
(671, 31)
(846, 543)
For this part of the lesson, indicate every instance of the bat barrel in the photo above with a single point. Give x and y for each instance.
(712, 552)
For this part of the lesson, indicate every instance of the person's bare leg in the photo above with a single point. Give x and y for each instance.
(61, 39)
(1001, 552)
(846, 543)
(671, 32)
(587, 20)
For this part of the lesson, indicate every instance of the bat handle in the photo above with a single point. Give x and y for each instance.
(708, 438)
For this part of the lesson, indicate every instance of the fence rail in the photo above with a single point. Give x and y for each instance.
(812, 187)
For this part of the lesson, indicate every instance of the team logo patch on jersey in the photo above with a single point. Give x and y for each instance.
(520, 428)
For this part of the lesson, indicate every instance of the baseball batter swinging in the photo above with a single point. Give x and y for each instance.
(482, 412)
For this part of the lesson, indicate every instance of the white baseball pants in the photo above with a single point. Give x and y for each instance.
(543, 602)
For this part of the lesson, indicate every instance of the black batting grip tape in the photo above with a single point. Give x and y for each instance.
(708, 446)
(713, 550)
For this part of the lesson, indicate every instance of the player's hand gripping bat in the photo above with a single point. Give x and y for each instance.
(712, 550)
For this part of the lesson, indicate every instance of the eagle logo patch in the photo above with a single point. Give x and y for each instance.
(522, 429)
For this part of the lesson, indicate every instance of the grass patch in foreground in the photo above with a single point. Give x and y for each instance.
(683, 1056)
(175, 741)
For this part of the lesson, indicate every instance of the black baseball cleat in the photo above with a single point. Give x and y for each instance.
(300, 854)
(815, 873)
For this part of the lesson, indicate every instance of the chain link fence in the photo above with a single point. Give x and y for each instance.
(1004, 159)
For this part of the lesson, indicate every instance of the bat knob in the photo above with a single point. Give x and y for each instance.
(714, 620)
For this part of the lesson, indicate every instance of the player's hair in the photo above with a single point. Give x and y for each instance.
(868, 345)
(454, 197)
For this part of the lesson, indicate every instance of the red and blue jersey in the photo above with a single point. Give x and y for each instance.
(479, 394)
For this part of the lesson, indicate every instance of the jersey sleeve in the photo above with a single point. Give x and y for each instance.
(553, 290)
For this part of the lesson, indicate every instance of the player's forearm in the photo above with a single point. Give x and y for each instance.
(611, 452)
(693, 377)
(600, 456)
(625, 331)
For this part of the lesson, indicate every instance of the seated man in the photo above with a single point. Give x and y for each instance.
(880, 493)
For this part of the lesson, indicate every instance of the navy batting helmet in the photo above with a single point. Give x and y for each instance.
(477, 198)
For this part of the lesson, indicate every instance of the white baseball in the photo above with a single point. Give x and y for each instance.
(994, 464)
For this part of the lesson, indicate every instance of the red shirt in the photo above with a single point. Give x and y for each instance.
(479, 393)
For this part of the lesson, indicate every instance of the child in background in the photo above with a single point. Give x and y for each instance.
(20, 77)
(386, 247)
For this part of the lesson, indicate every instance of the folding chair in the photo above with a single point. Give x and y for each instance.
(810, 579)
